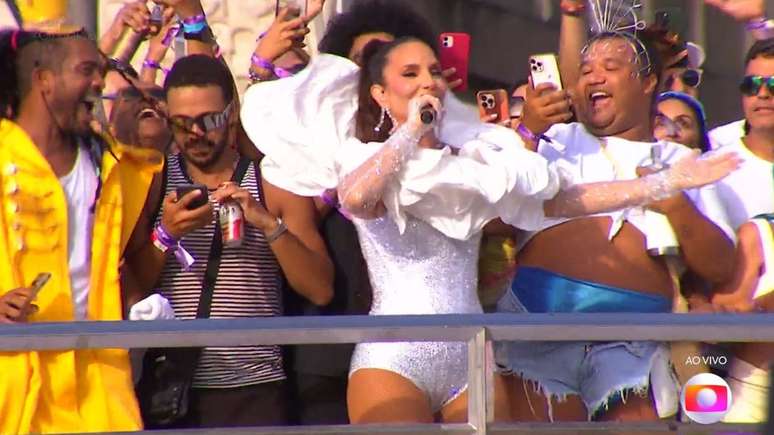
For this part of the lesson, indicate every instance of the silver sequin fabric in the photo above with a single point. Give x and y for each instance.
(419, 272)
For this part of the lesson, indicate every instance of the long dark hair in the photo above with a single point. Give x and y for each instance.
(369, 113)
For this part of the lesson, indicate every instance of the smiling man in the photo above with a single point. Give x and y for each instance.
(65, 211)
(757, 146)
(600, 263)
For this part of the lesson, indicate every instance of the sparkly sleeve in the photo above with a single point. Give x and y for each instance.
(491, 175)
(360, 190)
(688, 172)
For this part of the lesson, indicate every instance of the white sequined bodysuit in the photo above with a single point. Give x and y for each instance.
(420, 271)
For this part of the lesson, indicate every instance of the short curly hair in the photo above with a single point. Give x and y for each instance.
(375, 16)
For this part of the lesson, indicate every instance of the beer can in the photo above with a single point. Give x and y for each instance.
(232, 223)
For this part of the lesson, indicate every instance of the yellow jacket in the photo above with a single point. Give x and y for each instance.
(80, 390)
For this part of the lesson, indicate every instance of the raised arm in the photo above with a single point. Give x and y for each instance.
(360, 192)
(572, 38)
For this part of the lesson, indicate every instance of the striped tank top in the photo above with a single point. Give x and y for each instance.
(248, 285)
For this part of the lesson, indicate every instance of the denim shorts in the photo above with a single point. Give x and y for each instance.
(595, 371)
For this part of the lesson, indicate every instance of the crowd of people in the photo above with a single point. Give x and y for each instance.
(366, 186)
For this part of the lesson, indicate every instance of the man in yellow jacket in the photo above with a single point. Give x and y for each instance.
(69, 201)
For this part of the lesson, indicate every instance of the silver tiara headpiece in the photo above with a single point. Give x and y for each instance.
(609, 18)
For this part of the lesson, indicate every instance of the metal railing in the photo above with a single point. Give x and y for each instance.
(476, 330)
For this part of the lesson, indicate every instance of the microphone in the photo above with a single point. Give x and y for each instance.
(427, 115)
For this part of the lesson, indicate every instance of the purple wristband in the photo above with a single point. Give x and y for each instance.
(196, 19)
(262, 63)
(155, 65)
(527, 133)
(331, 202)
(164, 238)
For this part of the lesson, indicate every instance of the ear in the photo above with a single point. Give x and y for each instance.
(378, 94)
(43, 79)
(650, 83)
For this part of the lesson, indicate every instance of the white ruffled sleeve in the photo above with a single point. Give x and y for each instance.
(300, 122)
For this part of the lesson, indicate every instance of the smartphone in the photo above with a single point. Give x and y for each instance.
(455, 53)
(156, 20)
(544, 68)
(297, 8)
(38, 284)
(199, 201)
(494, 102)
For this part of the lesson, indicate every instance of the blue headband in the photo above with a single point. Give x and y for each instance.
(698, 110)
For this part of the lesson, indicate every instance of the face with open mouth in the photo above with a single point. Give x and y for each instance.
(137, 121)
(610, 93)
(77, 87)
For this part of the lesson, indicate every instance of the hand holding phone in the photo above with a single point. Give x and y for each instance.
(16, 305)
(546, 103)
(455, 53)
(543, 68)
(296, 8)
(493, 106)
(199, 201)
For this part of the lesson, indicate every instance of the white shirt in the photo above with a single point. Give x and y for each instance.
(580, 158)
(80, 189)
(748, 191)
(726, 134)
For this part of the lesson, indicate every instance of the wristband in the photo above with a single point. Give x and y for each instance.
(329, 201)
(260, 62)
(197, 27)
(760, 28)
(195, 19)
(163, 241)
(154, 65)
(528, 134)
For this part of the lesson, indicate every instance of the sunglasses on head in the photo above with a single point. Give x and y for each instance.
(206, 122)
(751, 85)
(689, 77)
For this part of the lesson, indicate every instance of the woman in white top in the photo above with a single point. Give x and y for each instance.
(419, 195)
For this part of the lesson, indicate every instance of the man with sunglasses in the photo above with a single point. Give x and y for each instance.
(232, 386)
(749, 193)
(757, 145)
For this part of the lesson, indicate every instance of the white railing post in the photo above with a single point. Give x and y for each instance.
(477, 383)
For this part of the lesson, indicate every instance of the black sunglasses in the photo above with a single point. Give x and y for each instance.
(689, 77)
(206, 122)
(751, 85)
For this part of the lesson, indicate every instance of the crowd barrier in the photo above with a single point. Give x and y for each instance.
(476, 330)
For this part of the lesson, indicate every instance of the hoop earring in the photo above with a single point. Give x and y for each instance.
(379, 126)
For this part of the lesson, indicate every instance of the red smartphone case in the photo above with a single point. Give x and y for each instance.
(455, 52)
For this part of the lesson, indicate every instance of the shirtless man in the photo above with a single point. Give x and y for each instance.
(600, 263)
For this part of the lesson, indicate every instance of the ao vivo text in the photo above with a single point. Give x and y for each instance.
(710, 360)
